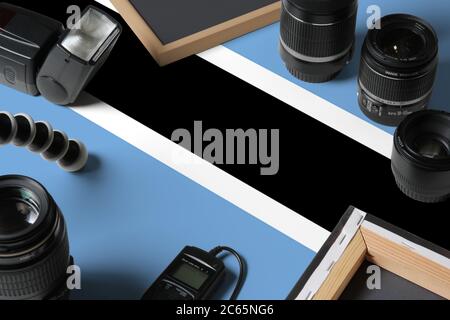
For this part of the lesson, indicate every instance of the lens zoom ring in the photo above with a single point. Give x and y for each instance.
(317, 41)
(395, 90)
(37, 279)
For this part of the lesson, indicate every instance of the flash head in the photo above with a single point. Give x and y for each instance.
(91, 36)
(79, 54)
(38, 56)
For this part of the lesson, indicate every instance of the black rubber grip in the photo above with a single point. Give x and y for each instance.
(38, 280)
(312, 78)
(397, 90)
(317, 40)
(414, 191)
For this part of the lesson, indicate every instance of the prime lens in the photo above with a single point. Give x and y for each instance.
(421, 156)
(34, 247)
(398, 68)
(317, 37)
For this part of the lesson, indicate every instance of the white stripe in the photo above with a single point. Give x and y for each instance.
(107, 4)
(301, 99)
(209, 176)
(420, 250)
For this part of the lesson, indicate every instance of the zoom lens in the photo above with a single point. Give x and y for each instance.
(421, 156)
(34, 247)
(398, 69)
(317, 37)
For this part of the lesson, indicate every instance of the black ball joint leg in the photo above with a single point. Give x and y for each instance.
(39, 137)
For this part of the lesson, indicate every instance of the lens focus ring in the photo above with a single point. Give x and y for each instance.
(388, 89)
(38, 279)
(416, 192)
(317, 40)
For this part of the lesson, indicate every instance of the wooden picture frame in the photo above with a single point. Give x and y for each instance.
(167, 53)
(360, 237)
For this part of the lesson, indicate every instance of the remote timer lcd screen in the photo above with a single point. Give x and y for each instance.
(190, 275)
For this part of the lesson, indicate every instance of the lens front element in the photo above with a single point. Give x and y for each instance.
(19, 210)
(431, 147)
(401, 44)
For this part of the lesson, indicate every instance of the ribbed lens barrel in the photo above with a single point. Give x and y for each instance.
(398, 69)
(317, 38)
(394, 90)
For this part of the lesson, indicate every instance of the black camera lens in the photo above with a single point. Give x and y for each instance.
(398, 68)
(317, 37)
(34, 247)
(421, 156)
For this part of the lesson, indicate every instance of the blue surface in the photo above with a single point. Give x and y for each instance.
(262, 47)
(129, 215)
